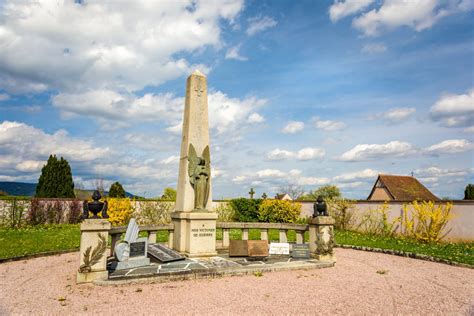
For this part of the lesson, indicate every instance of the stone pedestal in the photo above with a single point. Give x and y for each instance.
(195, 233)
(93, 253)
(321, 238)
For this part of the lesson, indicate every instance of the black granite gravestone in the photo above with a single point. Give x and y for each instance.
(137, 249)
(163, 253)
(301, 251)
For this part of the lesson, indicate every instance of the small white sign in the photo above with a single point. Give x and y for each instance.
(279, 248)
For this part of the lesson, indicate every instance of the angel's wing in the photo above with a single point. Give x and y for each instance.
(207, 158)
(206, 154)
(193, 161)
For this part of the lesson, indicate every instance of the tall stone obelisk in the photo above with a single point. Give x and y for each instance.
(193, 219)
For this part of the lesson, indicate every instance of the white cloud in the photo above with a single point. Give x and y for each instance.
(454, 110)
(375, 151)
(233, 53)
(293, 127)
(28, 143)
(358, 175)
(108, 105)
(110, 45)
(469, 129)
(341, 8)
(239, 179)
(451, 146)
(230, 114)
(270, 173)
(225, 113)
(439, 172)
(302, 154)
(280, 154)
(4, 97)
(328, 125)
(394, 115)
(374, 48)
(310, 153)
(30, 165)
(260, 24)
(350, 185)
(416, 14)
(255, 118)
(170, 160)
(303, 181)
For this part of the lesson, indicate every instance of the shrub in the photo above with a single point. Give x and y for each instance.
(13, 217)
(169, 194)
(376, 222)
(116, 190)
(75, 212)
(225, 212)
(154, 212)
(425, 221)
(279, 211)
(37, 214)
(120, 211)
(246, 210)
(342, 211)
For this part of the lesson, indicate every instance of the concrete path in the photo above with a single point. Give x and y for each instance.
(360, 283)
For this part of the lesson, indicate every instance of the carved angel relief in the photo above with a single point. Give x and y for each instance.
(199, 171)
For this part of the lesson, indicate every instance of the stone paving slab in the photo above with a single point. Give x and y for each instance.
(195, 268)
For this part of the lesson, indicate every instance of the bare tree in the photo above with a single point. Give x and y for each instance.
(293, 190)
(99, 185)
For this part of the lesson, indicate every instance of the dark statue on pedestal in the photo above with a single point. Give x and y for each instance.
(95, 207)
(199, 171)
(320, 208)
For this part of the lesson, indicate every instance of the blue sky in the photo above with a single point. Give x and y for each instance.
(301, 93)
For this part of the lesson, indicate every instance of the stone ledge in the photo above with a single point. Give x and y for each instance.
(215, 272)
(322, 220)
(406, 254)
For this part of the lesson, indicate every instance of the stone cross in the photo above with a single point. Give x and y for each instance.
(252, 192)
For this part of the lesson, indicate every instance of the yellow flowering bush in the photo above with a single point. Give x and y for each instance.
(425, 221)
(120, 211)
(279, 211)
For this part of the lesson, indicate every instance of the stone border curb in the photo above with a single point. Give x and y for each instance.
(214, 273)
(407, 254)
(37, 255)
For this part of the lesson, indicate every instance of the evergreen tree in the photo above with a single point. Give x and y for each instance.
(469, 192)
(55, 180)
(116, 190)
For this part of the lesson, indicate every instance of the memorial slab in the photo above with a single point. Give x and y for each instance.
(163, 253)
(238, 248)
(257, 248)
(279, 248)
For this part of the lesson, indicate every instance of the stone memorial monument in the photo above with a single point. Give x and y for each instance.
(94, 235)
(132, 252)
(193, 219)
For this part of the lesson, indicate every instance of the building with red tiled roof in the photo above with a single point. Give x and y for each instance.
(399, 188)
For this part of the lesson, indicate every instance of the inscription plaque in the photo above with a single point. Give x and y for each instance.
(279, 248)
(301, 251)
(137, 249)
(163, 253)
(238, 248)
(257, 248)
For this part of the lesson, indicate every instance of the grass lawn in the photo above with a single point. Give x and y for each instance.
(25, 241)
(32, 240)
(458, 252)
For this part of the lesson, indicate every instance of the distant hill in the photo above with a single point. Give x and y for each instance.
(29, 189)
(18, 188)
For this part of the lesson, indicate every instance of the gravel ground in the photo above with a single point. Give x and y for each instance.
(360, 283)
